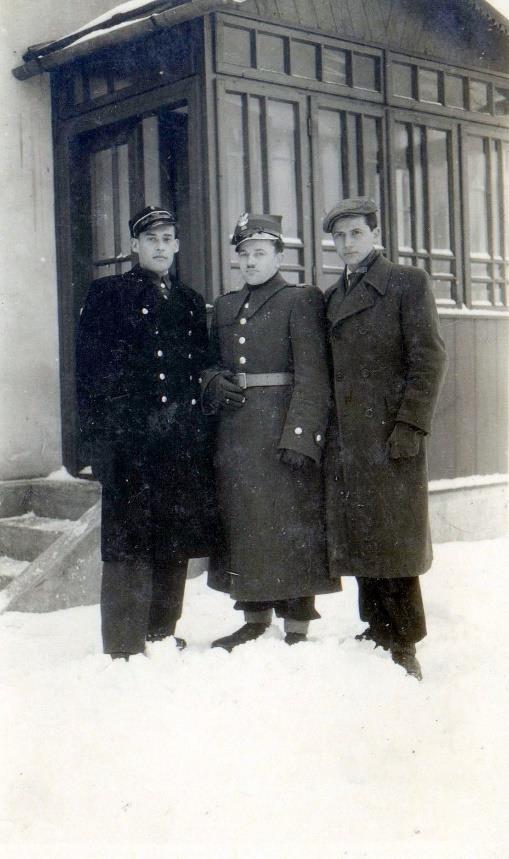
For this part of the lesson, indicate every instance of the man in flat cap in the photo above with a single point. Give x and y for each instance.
(268, 383)
(142, 345)
(388, 362)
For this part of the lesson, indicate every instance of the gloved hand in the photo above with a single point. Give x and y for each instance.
(224, 393)
(404, 441)
(296, 461)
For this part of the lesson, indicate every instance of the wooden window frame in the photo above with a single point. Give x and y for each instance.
(222, 66)
(468, 130)
(261, 90)
(415, 118)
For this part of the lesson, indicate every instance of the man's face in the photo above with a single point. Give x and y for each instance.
(354, 240)
(156, 248)
(259, 260)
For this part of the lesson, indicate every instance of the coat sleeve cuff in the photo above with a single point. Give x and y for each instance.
(207, 407)
(303, 440)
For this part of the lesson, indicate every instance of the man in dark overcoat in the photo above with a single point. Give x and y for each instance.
(388, 361)
(142, 345)
(268, 383)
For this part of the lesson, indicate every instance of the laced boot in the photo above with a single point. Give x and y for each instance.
(404, 655)
(248, 632)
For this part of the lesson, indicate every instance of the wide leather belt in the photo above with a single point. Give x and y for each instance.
(261, 380)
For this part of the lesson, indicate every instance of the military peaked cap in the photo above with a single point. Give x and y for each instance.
(349, 208)
(257, 227)
(151, 216)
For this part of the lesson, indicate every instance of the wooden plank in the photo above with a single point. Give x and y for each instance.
(486, 396)
(442, 444)
(465, 403)
(503, 394)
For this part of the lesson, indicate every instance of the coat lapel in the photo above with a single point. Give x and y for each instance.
(362, 296)
(232, 304)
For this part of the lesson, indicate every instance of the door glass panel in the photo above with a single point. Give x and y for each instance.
(304, 59)
(419, 156)
(501, 100)
(455, 91)
(429, 86)
(330, 137)
(281, 121)
(479, 97)
(257, 196)
(237, 45)
(151, 160)
(365, 72)
(373, 159)
(403, 80)
(103, 233)
(496, 191)
(236, 156)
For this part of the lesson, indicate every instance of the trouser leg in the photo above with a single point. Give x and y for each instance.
(168, 585)
(126, 594)
(297, 613)
(393, 608)
(255, 612)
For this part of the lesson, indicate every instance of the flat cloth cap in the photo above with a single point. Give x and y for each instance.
(150, 216)
(257, 227)
(349, 208)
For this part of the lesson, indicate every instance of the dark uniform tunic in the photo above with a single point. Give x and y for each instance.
(140, 352)
(273, 517)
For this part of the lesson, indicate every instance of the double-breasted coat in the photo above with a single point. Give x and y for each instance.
(140, 352)
(273, 518)
(388, 361)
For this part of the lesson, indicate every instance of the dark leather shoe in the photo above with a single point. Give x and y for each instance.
(246, 633)
(181, 643)
(404, 655)
(381, 639)
(295, 637)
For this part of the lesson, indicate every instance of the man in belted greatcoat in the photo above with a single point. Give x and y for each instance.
(268, 384)
(142, 345)
(388, 362)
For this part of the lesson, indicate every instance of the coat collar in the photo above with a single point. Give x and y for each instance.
(363, 296)
(255, 297)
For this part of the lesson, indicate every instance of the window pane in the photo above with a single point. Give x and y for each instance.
(480, 293)
(506, 196)
(331, 141)
(429, 86)
(402, 146)
(365, 72)
(123, 198)
(353, 149)
(419, 158)
(237, 46)
(442, 290)
(103, 235)
(479, 97)
(455, 91)
(403, 80)
(373, 156)
(496, 188)
(281, 144)
(334, 66)
(304, 59)
(501, 101)
(257, 199)
(151, 160)
(441, 266)
(236, 156)
(478, 195)
(438, 167)
(98, 84)
(271, 53)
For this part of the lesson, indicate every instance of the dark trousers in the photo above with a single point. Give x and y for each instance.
(140, 598)
(393, 608)
(300, 608)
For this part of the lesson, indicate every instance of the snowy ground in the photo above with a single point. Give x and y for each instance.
(325, 749)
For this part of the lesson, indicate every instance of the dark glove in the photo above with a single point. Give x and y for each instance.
(404, 441)
(223, 393)
(295, 461)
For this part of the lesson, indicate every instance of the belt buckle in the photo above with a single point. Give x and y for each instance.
(242, 380)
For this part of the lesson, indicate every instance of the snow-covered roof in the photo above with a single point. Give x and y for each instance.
(131, 19)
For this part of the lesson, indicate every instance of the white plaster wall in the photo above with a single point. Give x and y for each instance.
(469, 513)
(29, 371)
